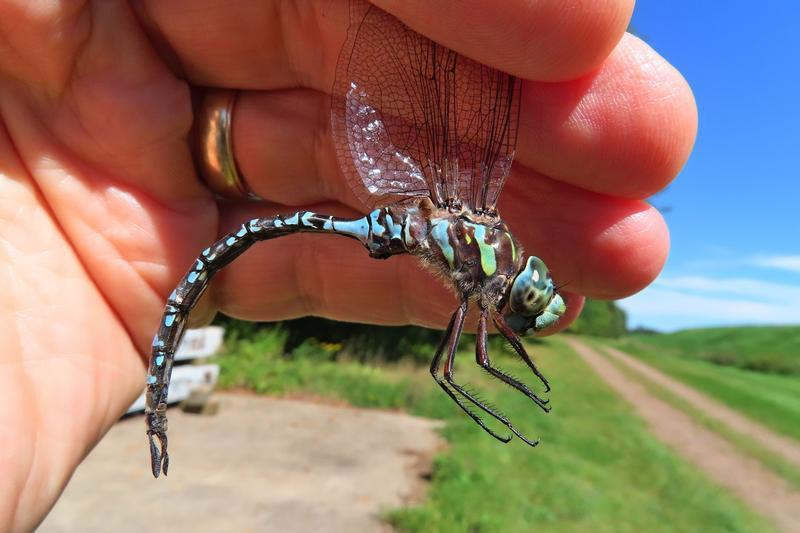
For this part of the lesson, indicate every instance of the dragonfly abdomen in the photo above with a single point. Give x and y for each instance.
(382, 231)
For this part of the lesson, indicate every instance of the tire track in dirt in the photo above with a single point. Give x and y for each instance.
(765, 492)
(777, 444)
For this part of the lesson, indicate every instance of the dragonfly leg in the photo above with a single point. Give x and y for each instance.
(482, 358)
(481, 348)
(449, 375)
(513, 339)
(450, 341)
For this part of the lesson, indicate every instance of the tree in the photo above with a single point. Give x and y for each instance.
(602, 319)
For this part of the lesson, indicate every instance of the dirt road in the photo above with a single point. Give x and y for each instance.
(778, 444)
(262, 464)
(762, 490)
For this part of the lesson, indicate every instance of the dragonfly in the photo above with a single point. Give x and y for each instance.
(426, 138)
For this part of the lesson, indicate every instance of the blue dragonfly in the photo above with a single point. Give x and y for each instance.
(426, 138)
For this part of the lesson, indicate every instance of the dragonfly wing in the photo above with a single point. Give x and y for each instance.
(370, 132)
(413, 118)
(488, 132)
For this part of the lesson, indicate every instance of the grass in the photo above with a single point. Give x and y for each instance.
(772, 349)
(258, 364)
(744, 443)
(772, 399)
(597, 469)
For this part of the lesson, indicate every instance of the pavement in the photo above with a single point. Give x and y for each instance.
(261, 464)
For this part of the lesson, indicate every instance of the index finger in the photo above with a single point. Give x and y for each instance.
(276, 44)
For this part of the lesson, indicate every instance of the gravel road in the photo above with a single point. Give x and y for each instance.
(261, 464)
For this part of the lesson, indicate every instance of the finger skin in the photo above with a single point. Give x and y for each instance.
(108, 152)
(546, 40)
(283, 147)
(605, 247)
(249, 45)
(626, 130)
(68, 368)
(278, 44)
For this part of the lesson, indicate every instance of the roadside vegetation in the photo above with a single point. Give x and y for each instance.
(744, 442)
(768, 349)
(772, 399)
(597, 468)
(601, 319)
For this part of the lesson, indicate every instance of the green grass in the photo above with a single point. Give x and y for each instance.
(258, 364)
(772, 399)
(773, 349)
(597, 469)
(743, 442)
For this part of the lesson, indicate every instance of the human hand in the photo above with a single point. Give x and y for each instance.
(102, 211)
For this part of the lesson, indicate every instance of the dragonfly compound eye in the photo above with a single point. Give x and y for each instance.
(533, 303)
(532, 289)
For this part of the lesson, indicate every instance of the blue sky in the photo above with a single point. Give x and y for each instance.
(735, 208)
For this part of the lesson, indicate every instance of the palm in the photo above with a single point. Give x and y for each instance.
(106, 147)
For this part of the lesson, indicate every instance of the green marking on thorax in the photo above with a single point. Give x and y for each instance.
(513, 247)
(488, 259)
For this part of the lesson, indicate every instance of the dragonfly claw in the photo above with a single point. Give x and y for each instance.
(156, 428)
(526, 440)
(159, 458)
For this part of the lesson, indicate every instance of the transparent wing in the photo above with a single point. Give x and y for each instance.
(413, 118)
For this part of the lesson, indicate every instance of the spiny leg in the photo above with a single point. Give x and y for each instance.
(513, 339)
(447, 341)
(449, 373)
(482, 358)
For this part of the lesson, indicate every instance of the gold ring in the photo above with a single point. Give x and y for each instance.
(213, 143)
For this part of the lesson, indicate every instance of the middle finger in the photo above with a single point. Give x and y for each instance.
(278, 44)
(624, 131)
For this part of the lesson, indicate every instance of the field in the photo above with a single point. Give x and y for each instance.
(771, 349)
(768, 397)
(597, 468)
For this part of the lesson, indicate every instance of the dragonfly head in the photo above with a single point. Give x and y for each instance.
(533, 304)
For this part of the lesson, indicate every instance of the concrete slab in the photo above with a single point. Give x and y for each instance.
(261, 464)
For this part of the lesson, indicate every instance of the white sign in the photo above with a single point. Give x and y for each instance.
(184, 380)
(200, 343)
(196, 344)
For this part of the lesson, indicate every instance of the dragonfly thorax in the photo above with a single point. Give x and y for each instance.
(477, 252)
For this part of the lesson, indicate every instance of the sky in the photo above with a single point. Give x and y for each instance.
(734, 211)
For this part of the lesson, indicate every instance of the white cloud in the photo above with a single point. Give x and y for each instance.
(755, 289)
(696, 301)
(782, 262)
